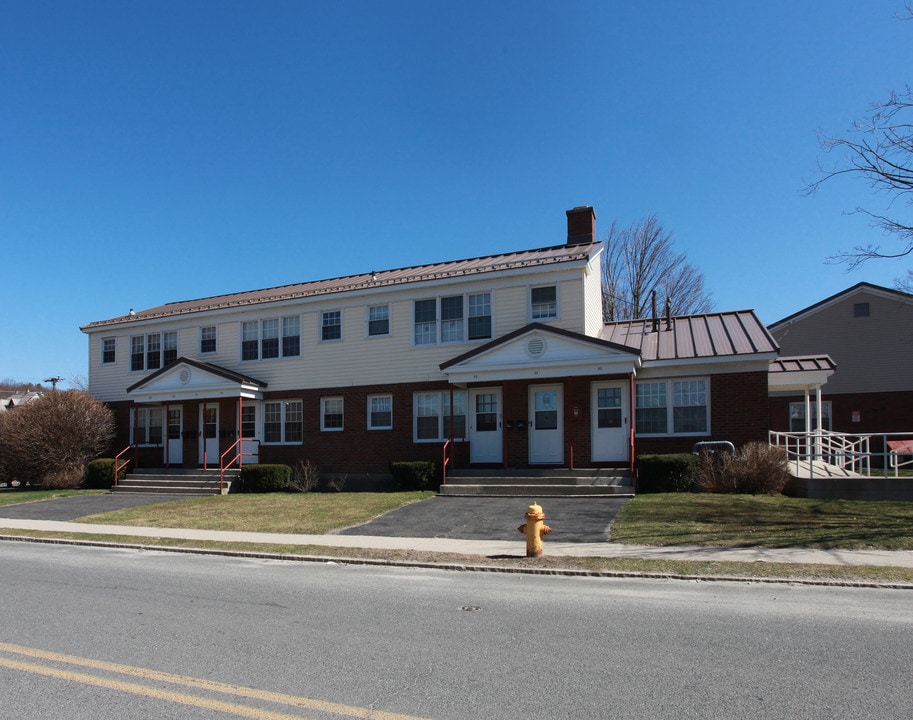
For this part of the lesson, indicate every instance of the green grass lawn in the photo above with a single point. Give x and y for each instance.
(764, 520)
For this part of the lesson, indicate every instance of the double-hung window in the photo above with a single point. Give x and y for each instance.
(797, 416)
(283, 421)
(432, 416)
(270, 338)
(153, 351)
(378, 320)
(331, 325)
(380, 412)
(331, 413)
(208, 339)
(137, 352)
(108, 350)
(147, 430)
(543, 302)
(452, 319)
(672, 407)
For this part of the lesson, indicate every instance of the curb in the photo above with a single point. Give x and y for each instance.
(461, 567)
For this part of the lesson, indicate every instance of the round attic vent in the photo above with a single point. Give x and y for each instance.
(185, 376)
(535, 346)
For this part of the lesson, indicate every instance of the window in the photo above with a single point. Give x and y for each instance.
(148, 427)
(688, 413)
(248, 421)
(137, 352)
(283, 421)
(331, 413)
(455, 324)
(269, 344)
(108, 350)
(480, 316)
(797, 416)
(291, 336)
(608, 407)
(860, 309)
(169, 347)
(380, 412)
(260, 339)
(208, 339)
(543, 303)
(452, 319)
(331, 325)
(153, 351)
(378, 320)
(431, 416)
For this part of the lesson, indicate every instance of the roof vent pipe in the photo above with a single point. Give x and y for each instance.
(655, 319)
(668, 313)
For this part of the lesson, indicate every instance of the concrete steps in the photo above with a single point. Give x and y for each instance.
(553, 482)
(176, 482)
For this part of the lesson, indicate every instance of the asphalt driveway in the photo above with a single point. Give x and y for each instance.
(575, 520)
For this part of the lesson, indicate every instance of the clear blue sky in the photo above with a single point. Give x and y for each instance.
(158, 151)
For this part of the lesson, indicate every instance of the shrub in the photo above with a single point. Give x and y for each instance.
(757, 469)
(50, 441)
(305, 476)
(415, 475)
(100, 474)
(266, 478)
(666, 473)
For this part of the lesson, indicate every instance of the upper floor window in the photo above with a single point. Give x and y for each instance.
(108, 350)
(861, 309)
(454, 325)
(208, 339)
(378, 320)
(331, 415)
(153, 351)
(672, 407)
(543, 302)
(331, 325)
(271, 338)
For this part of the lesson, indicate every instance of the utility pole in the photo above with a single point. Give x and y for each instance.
(53, 381)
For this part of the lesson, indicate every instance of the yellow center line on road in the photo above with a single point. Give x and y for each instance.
(186, 681)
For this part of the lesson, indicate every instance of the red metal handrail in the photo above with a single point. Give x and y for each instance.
(446, 461)
(118, 466)
(223, 466)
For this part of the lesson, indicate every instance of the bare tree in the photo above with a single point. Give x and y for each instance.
(641, 258)
(51, 440)
(879, 150)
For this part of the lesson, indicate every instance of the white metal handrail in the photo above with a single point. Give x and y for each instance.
(858, 453)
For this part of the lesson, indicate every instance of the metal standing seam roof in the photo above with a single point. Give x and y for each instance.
(803, 363)
(364, 281)
(722, 334)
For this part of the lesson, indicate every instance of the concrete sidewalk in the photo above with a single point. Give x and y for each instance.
(485, 548)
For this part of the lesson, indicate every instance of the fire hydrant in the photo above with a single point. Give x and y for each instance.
(534, 528)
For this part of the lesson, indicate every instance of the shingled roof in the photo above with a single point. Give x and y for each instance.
(371, 280)
(722, 334)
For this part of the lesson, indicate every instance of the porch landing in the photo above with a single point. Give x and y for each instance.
(536, 483)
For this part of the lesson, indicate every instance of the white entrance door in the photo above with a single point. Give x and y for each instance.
(485, 444)
(174, 450)
(250, 445)
(610, 422)
(209, 437)
(546, 424)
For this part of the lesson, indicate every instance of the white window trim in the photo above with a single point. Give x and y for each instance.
(215, 338)
(529, 303)
(146, 412)
(439, 320)
(320, 326)
(443, 395)
(371, 426)
(280, 321)
(146, 345)
(799, 405)
(323, 413)
(282, 421)
(103, 341)
(670, 406)
(368, 309)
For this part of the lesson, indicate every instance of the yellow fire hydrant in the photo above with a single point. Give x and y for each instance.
(534, 528)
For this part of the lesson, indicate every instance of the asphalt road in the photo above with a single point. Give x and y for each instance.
(575, 520)
(339, 640)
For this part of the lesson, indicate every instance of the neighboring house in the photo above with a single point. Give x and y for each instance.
(10, 400)
(506, 355)
(867, 331)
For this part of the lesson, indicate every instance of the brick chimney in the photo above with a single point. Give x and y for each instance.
(581, 225)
